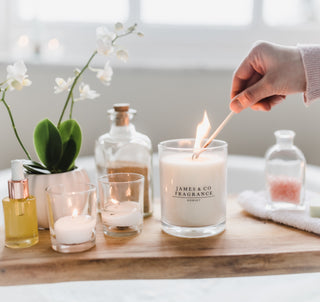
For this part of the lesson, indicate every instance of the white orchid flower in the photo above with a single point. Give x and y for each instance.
(118, 26)
(86, 93)
(122, 55)
(104, 41)
(103, 32)
(16, 76)
(104, 47)
(62, 85)
(105, 74)
(76, 71)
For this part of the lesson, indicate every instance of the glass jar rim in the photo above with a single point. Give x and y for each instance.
(52, 189)
(165, 144)
(107, 178)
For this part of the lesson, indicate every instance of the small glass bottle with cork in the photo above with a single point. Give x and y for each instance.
(125, 150)
(285, 173)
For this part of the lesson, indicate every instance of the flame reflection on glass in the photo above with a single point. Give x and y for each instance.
(114, 201)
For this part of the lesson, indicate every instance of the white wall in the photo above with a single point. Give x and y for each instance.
(169, 102)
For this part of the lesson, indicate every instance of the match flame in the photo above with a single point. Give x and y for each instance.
(202, 131)
(75, 213)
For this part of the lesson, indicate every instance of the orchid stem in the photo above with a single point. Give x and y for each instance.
(73, 85)
(125, 34)
(71, 108)
(70, 95)
(13, 124)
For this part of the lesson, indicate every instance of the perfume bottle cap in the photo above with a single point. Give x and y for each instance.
(18, 185)
(17, 172)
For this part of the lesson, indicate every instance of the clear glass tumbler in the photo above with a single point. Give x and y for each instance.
(72, 217)
(193, 191)
(121, 203)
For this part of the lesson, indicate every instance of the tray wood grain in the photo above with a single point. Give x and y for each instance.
(248, 247)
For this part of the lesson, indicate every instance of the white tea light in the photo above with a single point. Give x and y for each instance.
(122, 214)
(74, 229)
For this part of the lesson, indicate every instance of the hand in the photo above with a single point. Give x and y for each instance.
(266, 76)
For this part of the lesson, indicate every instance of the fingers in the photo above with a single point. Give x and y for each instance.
(250, 96)
(254, 79)
(241, 77)
(268, 103)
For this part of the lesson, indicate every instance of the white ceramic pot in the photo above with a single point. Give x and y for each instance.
(38, 183)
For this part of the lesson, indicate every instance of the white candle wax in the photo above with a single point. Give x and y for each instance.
(74, 229)
(122, 214)
(193, 192)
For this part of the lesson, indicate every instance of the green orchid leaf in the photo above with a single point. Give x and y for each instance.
(33, 170)
(48, 144)
(70, 133)
(34, 164)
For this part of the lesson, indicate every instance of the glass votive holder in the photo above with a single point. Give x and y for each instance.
(193, 191)
(121, 203)
(72, 217)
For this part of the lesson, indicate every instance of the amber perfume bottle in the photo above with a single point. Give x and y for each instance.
(125, 150)
(19, 209)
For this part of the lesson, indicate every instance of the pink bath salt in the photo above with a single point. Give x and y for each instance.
(285, 189)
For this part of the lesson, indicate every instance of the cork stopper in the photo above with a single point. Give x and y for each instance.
(122, 114)
(121, 107)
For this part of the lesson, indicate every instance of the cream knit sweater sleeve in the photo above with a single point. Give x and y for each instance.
(311, 62)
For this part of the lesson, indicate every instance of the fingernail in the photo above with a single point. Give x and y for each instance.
(236, 106)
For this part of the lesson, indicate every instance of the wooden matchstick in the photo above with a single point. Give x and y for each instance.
(196, 154)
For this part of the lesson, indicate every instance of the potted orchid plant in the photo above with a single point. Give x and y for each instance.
(58, 146)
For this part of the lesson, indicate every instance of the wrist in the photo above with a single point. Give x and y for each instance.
(300, 70)
(310, 56)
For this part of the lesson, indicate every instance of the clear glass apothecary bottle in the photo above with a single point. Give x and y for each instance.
(125, 150)
(285, 173)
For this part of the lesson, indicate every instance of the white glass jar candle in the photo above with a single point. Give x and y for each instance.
(193, 191)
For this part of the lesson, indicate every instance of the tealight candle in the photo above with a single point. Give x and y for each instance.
(121, 202)
(72, 217)
(122, 214)
(74, 229)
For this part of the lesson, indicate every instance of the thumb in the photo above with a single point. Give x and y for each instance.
(250, 96)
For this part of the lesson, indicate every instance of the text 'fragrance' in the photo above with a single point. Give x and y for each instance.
(19, 209)
(285, 173)
(125, 150)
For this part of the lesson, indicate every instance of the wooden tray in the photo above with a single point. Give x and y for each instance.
(249, 246)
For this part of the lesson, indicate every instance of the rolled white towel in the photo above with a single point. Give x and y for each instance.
(255, 203)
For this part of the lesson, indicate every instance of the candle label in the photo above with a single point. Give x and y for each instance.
(193, 194)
